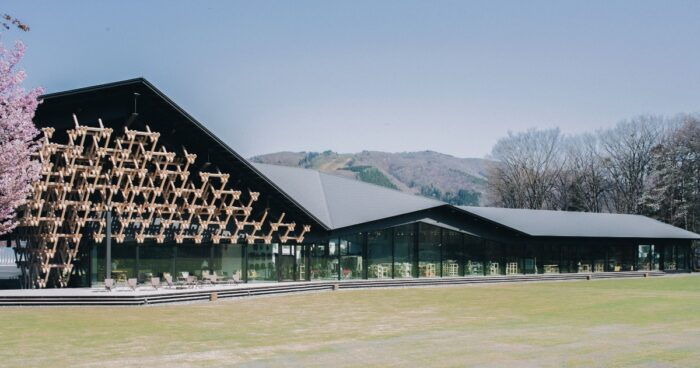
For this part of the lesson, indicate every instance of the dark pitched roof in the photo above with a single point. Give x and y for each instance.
(340, 202)
(579, 224)
(114, 103)
(331, 202)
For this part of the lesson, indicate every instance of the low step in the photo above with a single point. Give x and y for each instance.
(204, 294)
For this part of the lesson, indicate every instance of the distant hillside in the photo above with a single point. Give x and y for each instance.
(460, 181)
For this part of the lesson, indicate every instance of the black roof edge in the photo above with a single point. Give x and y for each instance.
(489, 220)
(194, 121)
(97, 87)
(349, 229)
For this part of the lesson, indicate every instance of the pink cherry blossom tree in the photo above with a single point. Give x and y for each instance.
(18, 137)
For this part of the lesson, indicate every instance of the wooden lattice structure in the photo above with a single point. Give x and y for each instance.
(152, 195)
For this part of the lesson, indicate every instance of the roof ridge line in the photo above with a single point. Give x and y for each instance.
(325, 197)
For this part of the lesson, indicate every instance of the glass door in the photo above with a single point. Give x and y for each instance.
(285, 261)
(302, 260)
(644, 253)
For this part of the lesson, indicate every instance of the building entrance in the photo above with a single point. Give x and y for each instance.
(291, 261)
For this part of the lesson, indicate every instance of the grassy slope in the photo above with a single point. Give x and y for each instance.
(641, 322)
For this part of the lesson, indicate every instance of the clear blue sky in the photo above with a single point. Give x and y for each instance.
(449, 76)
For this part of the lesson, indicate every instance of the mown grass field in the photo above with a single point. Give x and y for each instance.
(640, 322)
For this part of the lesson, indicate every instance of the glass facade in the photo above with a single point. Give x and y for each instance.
(405, 258)
(644, 257)
(379, 254)
(407, 251)
(324, 261)
(351, 256)
(452, 254)
(474, 256)
(261, 260)
(675, 257)
(493, 259)
(429, 245)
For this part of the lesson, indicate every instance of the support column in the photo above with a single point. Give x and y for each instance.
(245, 263)
(365, 254)
(442, 245)
(340, 268)
(416, 251)
(393, 253)
(307, 261)
(108, 245)
(137, 266)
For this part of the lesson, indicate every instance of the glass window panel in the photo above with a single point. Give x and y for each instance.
(155, 260)
(123, 261)
(644, 257)
(286, 262)
(228, 260)
(474, 257)
(569, 258)
(615, 255)
(598, 254)
(494, 256)
(453, 254)
(548, 258)
(404, 255)
(324, 261)
(682, 257)
(429, 251)
(191, 259)
(514, 259)
(655, 258)
(585, 256)
(379, 254)
(261, 262)
(351, 257)
(303, 252)
(530, 255)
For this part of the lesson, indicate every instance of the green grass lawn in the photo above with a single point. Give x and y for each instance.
(639, 322)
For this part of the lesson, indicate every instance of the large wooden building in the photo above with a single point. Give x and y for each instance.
(133, 186)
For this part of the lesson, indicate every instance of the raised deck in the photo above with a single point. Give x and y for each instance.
(146, 295)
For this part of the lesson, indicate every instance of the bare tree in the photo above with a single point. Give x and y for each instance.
(528, 168)
(674, 193)
(587, 184)
(627, 156)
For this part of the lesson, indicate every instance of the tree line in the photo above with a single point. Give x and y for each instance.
(648, 165)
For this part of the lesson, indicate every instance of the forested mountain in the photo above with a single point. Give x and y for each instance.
(454, 180)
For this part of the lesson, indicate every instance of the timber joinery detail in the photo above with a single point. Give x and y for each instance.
(149, 191)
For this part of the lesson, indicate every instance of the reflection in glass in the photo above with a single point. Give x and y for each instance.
(324, 261)
(453, 254)
(351, 257)
(676, 257)
(429, 251)
(379, 254)
(644, 253)
(123, 261)
(155, 260)
(474, 259)
(286, 260)
(261, 262)
(192, 259)
(404, 255)
(548, 258)
(231, 261)
(494, 254)
(598, 253)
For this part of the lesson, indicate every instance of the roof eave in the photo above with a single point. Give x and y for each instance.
(194, 121)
